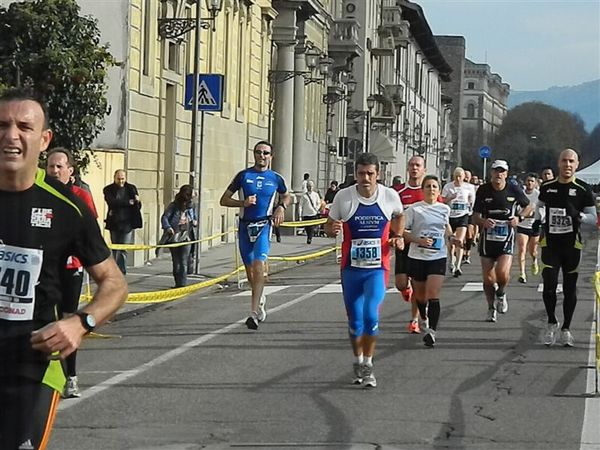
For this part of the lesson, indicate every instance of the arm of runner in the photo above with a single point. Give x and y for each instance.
(480, 221)
(397, 227)
(279, 211)
(589, 216)
(333, 227)
(64, 336)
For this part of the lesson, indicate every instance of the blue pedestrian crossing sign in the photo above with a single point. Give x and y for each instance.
(485, 152)
(210, 92)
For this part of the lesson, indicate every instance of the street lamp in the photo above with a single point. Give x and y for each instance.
(175, 28)
(371, 100)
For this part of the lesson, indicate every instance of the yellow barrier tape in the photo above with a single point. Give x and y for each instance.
(597, 285)
(305, 223)
(597, 289)
(177, 244)
(103, 336)
(304, 257)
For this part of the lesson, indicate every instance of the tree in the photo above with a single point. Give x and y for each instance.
(533, 134)
(46, 44)
(590, 151)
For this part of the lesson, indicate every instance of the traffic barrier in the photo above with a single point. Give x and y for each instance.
(177, 293)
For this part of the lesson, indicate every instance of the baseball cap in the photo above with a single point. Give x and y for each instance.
(500, 164)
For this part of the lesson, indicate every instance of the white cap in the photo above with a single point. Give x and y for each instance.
(500, 164)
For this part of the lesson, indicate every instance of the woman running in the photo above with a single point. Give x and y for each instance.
(528, 234)
(428, 222)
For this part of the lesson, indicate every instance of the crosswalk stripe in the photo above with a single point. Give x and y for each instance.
(472, 287)
(267, 291)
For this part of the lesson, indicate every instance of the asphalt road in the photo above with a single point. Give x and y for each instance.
(189, 375)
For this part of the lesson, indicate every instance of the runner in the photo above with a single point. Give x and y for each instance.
(459, 196)
(257, 187)
(368, 213)
(547, 174)
(46, 224)
(528, 234)
(568, 202)
(60, 165)
(472, 229)
(427, 226)
(410, 192)
(494, 212)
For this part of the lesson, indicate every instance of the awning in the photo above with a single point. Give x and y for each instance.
(382, 146)
(590, 174)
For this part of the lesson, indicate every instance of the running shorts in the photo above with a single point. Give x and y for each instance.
(420, 269)
(254, 240)
(528, 231)
(459, 222)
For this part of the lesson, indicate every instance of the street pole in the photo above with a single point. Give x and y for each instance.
(194, 135)
(368, 130)
(484, 167)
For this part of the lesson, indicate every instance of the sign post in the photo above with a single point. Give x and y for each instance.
(485, 152)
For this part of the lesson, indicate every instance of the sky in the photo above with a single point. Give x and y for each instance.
(531, 44)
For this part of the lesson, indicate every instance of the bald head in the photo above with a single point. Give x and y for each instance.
(568, 162)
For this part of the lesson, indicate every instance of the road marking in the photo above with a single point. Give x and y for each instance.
(127, 374)
(267, 291)
(472, 287)
(590, 432)
(559, 288)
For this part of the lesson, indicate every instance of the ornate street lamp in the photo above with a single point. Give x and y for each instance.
(176, 27)
(371, 100)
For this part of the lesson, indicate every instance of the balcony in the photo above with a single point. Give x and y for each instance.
(391, 22)
(344, 43)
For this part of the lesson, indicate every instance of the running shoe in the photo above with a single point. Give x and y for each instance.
(369, 380)
(535, 269)
(262, 309)
(457, 273)
(429, 337)
(71, 388)
(492, 316)
(566, 338)
(407, 293)
(522, 278)
(252, 321)
(467, 260)
(413, 327)
(550, 334)
(452, 268)
(501, 303)
(358, 373)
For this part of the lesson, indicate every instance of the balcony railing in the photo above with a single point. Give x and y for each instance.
(344, 37)
(391, 21)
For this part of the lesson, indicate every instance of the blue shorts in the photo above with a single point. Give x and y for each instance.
(364, 291)
(259, 249)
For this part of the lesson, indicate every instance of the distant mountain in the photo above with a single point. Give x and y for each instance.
(583, 99)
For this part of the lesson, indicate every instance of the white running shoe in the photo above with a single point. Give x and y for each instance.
(566, 338)
(492, 315)
(550, 334)
(501, 304)
(369, 380)
(262, 308)
(71, 388)
(429, 338)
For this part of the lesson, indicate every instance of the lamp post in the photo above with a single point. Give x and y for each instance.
(370, 105)
(174, 28)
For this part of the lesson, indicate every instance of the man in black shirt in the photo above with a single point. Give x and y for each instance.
(43, 223)
(494, 212)
(568, 202)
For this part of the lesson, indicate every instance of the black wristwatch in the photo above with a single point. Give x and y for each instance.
(87, 320)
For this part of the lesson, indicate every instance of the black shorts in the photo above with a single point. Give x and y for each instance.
(528, 231)
(493, 249)
(561, 257)
(458, 222)
(420, 269)
(401, 264)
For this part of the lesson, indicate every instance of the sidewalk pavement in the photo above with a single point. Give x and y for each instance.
(156, 275)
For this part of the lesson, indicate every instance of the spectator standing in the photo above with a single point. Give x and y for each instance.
(178, 222)
(305, 179)
(123, 215)
(310, 205)
(331, 192)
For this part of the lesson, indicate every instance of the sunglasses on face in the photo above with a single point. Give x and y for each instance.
(262, 152)
(500, 170)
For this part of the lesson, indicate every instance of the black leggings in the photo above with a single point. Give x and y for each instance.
(27, 413)
(553, 260)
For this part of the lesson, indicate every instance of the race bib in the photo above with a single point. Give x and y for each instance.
(436, 246)
(255, 228)
(559, 222)
(499, 233)
(19, 273)
(459, 206)
(365, 253)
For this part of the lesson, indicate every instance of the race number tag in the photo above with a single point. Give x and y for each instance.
(254, 229)
(436, 246)
(499, 233)
(559, 222)
(459, 206)
(365, 253)
(19, 273)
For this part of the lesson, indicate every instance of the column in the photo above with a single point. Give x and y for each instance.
(299, 162)
(283, 123)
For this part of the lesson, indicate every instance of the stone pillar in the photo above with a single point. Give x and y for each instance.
(299, 166)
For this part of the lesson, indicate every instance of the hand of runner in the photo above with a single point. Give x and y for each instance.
(489, 223)
(250, 201)
(513, 221)
(278, 216)
(63, 336)
(337, 227)
(396, 242)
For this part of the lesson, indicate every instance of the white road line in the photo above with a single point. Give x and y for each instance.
(590, 432)
(267, 291)
(127, 374)
(472, 287)
(558, 288)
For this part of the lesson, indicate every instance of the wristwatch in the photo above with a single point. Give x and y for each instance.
(87, 320)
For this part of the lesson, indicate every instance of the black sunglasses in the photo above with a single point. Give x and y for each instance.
(261, 152)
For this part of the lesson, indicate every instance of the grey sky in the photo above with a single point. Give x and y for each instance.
(531, 44)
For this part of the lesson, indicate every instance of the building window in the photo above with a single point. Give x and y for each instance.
(470, 85)
(470, 111)
(146, 37)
